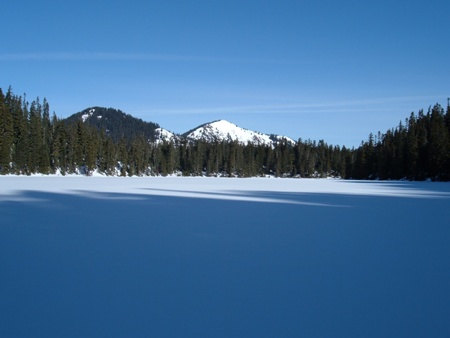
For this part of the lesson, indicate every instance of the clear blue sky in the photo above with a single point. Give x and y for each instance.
(332, 70)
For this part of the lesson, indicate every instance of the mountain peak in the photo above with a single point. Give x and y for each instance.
(118, 124)
(223, 130)
(115, 123)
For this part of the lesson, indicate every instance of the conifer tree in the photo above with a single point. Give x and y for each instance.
(232, 155)
(91, 150)
(210, 160)
(56, 145)
(35, 149)
(19, 151)
(422, 142)
(79, 140)
(412, 148)
(198, 157)
(44, 161)
(438, 142)
(6, 136)
(138, 158)
(107, 159)
(398, 170)
(123, 156)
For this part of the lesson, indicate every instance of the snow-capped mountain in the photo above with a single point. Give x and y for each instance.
(162, 135)
(223, 130)
(118, 124)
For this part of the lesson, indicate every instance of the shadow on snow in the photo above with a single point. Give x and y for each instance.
(97, 264)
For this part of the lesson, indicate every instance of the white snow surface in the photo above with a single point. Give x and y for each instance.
(216, 188)
(162, 135)
(223, 130)
(223, 257)
(84, 117)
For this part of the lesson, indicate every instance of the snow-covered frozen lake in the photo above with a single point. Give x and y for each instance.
(220, 257)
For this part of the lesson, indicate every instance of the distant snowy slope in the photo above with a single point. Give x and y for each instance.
(223, 130)
(118, 124)
(162, 135)
(88, 113)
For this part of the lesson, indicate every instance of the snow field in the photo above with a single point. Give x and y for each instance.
(223, 257)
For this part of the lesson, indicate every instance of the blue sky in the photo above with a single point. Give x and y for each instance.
(332, 70)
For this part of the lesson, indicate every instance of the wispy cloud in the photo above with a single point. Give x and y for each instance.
(251, 109)
(100, 56)
(378, 105)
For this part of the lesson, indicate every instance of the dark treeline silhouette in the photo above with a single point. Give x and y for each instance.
(417, 149)
(117, 123)
(32, 141)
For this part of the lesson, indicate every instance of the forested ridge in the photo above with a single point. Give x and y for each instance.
(34, 141)
(115, 123)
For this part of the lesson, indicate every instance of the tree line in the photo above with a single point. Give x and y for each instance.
(416, 149)
(34, 141)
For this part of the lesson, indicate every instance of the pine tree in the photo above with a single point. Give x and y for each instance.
(183, 157)
(398, 171)
(250, 164)
(447, 116)
(57, 145)
(91, 150)
(342, 168)
(44, 162)
(6, 136)
(19, 111)
(232, 158)
(446, 173)
(300, 162)
(422, 127)
(412, 148)
(107, 160)
(123, 156)
(36, 151)
(438, 139)
(79, 140)
(138, 156)
(170, 155)
(198, 157)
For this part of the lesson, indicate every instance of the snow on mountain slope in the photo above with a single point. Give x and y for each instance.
(87, 115)
(223, 130)
(162, 135)
(118, 123)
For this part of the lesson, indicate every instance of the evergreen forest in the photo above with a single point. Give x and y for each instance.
(34, 141)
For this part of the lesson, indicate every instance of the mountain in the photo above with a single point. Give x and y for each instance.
(222, 130)
(162, 135)
(116, 123)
